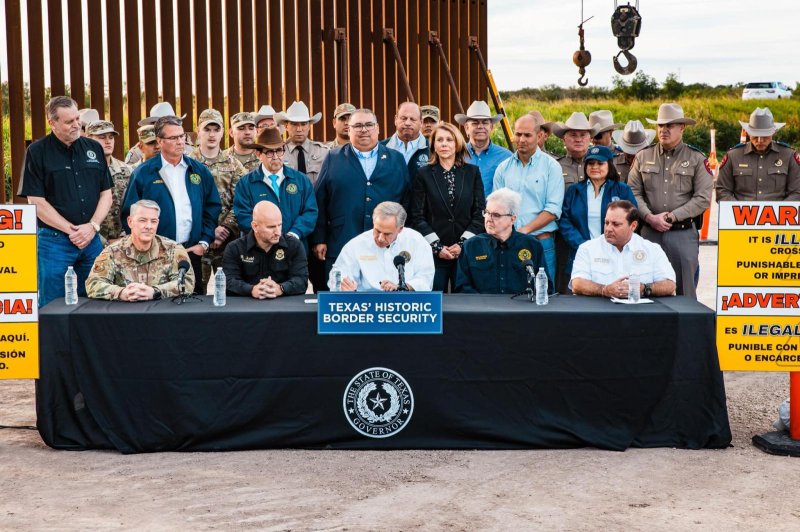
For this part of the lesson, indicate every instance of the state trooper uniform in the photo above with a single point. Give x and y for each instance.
(747, 175)
(633, 138)
(121, 263)
(571, 169)
(313, 154)
(677, 181)
(623, 166)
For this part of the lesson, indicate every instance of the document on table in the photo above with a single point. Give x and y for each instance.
(629, 302)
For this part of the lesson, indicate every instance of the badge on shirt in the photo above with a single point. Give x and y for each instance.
(779, 162)
(406, 255)
(743, 165)
(91, 155)
(524, 254)
(482, 257)
(639, 255)
(195, 179)
(685, 164)
(158, 182)
(279, 255)
(383, 156)
(291, 188)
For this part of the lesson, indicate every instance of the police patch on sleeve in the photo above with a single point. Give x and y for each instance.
(724, 160)
(797, 157)
(524, 254)
(378, 403)
(708, 167)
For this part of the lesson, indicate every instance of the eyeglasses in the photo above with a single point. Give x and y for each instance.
(175, 138)
(494, 215)
(274, 153)
(363, 127)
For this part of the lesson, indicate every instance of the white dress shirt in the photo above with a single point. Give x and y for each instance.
(362, 261)
(174, 177)
(600, 262)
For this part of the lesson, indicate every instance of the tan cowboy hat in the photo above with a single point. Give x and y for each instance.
(157, 111)
(671, 113)
(297, 112)
(479, 110)
(602, 121)
(541, 122)
(576, 122)
(634, 137)
(87, 116)
(761, 124)
(265, 111)
(268, 139)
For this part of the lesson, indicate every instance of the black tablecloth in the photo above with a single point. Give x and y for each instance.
(505, 374)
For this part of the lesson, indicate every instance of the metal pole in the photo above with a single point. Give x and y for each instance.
(388, 37)
(340, 36)
(433, 40)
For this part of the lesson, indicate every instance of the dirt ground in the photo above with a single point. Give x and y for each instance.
(739, 488)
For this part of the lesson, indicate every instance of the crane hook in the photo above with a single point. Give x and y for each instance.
(632, 63)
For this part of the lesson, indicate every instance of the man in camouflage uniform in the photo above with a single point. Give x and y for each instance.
(146, 148)
(341, 123)
(103, 132)
(243, 131)
(302, 153)
(227, 171)
(762, 169)
(672, 184)
(430, 118)
(142, 266)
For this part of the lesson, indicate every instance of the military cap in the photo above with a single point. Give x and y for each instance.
(100, 127)
(344, 109)
(147, 134)
(430, 111)
(243, 118)
(210, 116)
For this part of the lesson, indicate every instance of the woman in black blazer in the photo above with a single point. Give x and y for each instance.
(448, 202)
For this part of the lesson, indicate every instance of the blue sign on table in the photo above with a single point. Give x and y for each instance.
(379, 313)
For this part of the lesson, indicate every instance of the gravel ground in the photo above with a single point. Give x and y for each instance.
(739, 488)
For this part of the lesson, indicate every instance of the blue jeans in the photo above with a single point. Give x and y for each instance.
(55, 254)
(549, 247)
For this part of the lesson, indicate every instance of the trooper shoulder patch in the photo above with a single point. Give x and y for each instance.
(724, 160)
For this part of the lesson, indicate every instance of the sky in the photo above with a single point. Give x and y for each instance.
(531, 42)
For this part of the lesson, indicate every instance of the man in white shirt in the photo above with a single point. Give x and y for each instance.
(367, 262)
(603, 264)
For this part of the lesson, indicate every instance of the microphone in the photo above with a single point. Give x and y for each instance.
(400, 264)
(529, 268)
(183, 267)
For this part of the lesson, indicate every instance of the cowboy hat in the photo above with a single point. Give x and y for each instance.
(268, 139)
(157, 111)
(479, 110)
(576, 122)
(541, 122)
(87, 116)
(297, 112)
(265, 111)
(671, 113)
(634, 137)
(761, 123)
(602, 121)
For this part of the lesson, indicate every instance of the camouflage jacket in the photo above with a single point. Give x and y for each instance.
(121, 263)
(111, 228)
(227, 170)
(250, 162)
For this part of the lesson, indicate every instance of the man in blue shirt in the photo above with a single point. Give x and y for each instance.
(537, 178)
(407, 140)
(486, 155)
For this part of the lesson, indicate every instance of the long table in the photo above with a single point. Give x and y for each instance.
(506, 374)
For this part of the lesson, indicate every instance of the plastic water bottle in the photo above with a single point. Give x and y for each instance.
(336, 277)
(71, 287)
(633, 288)
(220, 285)
(541, 287)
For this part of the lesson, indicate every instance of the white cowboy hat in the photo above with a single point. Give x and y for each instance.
(671, 113)
(576, 122)
(761, 124)
(297, 112)
(602, 121)
(634, 137)
(479, 110)
(265, 111)
(157, 111)
(87, 116)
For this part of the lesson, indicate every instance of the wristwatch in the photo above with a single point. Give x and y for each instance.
(648, 290)
(94, 226)
(156, 293)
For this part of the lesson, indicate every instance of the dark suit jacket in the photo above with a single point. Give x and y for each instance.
(431, 213)
(346, 200)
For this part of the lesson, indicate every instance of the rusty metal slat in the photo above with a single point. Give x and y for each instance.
(378, 79)
(36, 66)
(201, 54)
(217, 62)
(16, 103)
(329, 45)
(185, 63)
(437, 44)
(444, 39)
(56, 34)
(464, 55)
(475, 78)
(304, 55)
(115, 95)
(97, 76)
(390, 91)
(342, 65)
(435, 67)
(232, 49)
(132, 75)
(167, 52)
(246, 41)
(427, 63)
(150, 54)
(354, 50)
(275, 55)
(77, 82)
(365, 53)
(290, 51)
(483, 39)
(412, 43)
(401, 38)
(318, 71)
(453, 55)
(261, 45)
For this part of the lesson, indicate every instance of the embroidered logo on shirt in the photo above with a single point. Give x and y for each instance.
(639, 255)
(685, 164)
(158, 182)
(602, 260)
(524, 254)
(779, 162)
(91, 155)
(368, 257)
(246, 259)
(406, 255)
(195, 179)
(279, 255)
(482, 257)
(291, 188)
